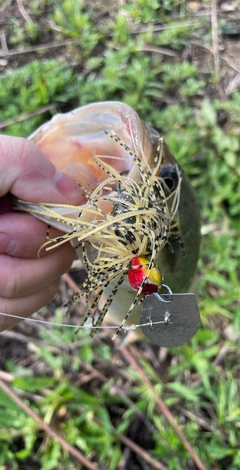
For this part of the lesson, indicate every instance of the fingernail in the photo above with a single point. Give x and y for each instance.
(7, 244)
(66, 185)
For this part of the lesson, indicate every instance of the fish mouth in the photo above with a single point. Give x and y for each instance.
(69, 141)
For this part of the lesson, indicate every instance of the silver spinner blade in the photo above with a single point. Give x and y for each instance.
(172, 323)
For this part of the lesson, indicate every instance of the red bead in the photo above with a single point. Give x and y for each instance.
(149, 288)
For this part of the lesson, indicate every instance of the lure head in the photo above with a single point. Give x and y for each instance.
(138, 273)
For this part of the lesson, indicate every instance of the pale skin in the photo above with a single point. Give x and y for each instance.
(26, 282)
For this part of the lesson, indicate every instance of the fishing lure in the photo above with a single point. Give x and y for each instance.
(140, 211)
(128, 237)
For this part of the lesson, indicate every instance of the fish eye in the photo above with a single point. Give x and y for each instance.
(170, 177)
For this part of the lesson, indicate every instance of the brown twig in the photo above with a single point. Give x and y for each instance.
(159, 27)
(215, 37)
(6, 376)
(231, 63)
(222, 353)
(13, 335)
(70, 282)
(65, 445)
(23, 12)
(203, 422)
(157, 50)
(141, 452)
(42, 47)
(195, 42)
(233, 85)
(146, 48)
(26, 116)
(129, 356)
(3, 42)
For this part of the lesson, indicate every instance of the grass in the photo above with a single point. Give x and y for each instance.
(155, 56)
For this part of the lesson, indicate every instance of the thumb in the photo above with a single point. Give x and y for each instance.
(28, 174)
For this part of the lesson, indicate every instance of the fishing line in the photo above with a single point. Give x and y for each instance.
(85, 327)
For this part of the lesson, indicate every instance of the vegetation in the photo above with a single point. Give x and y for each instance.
(160, 57)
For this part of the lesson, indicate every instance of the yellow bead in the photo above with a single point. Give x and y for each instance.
(154, 274)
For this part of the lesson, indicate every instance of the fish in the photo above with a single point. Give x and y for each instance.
(138, 231)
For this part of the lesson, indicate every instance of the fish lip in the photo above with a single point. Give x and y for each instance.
(84, 127)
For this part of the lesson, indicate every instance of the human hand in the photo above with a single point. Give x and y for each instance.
(26, 282)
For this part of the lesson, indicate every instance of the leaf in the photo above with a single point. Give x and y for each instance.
(191, 394)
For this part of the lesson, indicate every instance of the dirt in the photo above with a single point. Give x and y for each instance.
(196, 51)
